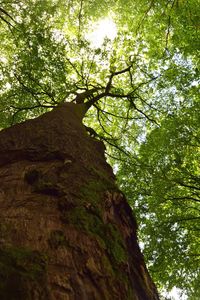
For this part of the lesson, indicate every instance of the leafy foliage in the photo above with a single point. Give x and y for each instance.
(141, 89)
(166, 190)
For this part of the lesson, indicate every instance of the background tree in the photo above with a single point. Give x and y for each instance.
(141, 83)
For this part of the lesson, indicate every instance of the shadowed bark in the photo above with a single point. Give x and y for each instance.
(66, 230)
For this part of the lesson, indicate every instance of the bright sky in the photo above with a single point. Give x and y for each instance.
(175, 294)
(102, 29)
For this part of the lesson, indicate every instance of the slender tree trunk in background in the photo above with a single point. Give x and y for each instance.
(66, 231)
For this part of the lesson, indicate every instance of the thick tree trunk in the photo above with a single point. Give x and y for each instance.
(66, 231)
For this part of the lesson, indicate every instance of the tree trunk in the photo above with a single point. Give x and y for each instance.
(66, 230)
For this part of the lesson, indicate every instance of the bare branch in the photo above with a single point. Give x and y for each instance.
(167, 34)
(141, 112)
(115, 146)
(7, 14)
(103, 128)
(73, 66)
(19, 109)
(184, 198)
(8, 23)
(116, 116)
(144, 16)
(187, 185)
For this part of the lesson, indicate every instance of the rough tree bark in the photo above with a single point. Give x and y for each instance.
(66, 230)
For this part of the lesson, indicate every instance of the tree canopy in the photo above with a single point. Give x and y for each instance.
(140, 87)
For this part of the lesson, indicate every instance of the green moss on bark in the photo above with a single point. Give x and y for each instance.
(107, 235)
(57, 239)
(20, 269)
